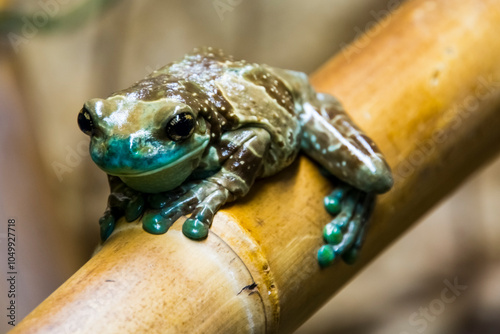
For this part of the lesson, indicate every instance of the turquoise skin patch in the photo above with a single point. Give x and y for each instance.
(124, 156)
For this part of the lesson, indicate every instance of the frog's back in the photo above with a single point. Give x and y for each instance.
(261, 99)
(230, 94)
(258, 97)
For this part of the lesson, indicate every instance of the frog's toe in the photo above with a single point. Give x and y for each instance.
(326, 256)
(158, 201)
(344, 234)
(170, 198)
(178, 208)
(351, 254)
(195, 229)
(333, 201)
(135, 208)
(154, 222)
(198, 225)
(107, 225)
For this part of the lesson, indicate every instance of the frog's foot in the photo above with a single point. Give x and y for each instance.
(200, 198)
(122, 201)
(344, 234)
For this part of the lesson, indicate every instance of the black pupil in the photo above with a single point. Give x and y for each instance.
(85, 121)
(180, 126)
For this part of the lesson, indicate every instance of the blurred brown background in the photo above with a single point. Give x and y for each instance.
(56, 54)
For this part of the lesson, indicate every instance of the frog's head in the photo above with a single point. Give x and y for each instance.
(153, 146)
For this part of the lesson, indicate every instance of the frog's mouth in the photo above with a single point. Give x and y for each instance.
(164, 178)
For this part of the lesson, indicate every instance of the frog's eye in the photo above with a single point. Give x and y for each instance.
(180, 126)
(85, 121)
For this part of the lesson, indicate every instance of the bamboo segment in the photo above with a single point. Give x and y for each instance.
(424, 84)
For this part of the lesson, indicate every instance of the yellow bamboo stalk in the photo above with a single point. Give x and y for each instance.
(424, 84)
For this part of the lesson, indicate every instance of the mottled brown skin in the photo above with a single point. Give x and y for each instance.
(249, 121)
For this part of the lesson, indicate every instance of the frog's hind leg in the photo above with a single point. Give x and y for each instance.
(338, 145)
(333, 140)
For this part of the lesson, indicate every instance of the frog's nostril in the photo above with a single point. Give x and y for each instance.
(136, 144)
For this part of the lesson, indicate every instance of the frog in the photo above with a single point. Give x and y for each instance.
(197, 133)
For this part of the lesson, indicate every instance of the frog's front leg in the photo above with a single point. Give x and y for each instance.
(242, 154)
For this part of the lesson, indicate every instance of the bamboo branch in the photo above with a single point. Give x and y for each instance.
(424, 84)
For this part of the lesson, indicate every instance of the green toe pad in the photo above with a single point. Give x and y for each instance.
(326, 255)
(134, 209)
(332, 234)
(107, 225)
(195, 229)
(154, 223)
(332, 201)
